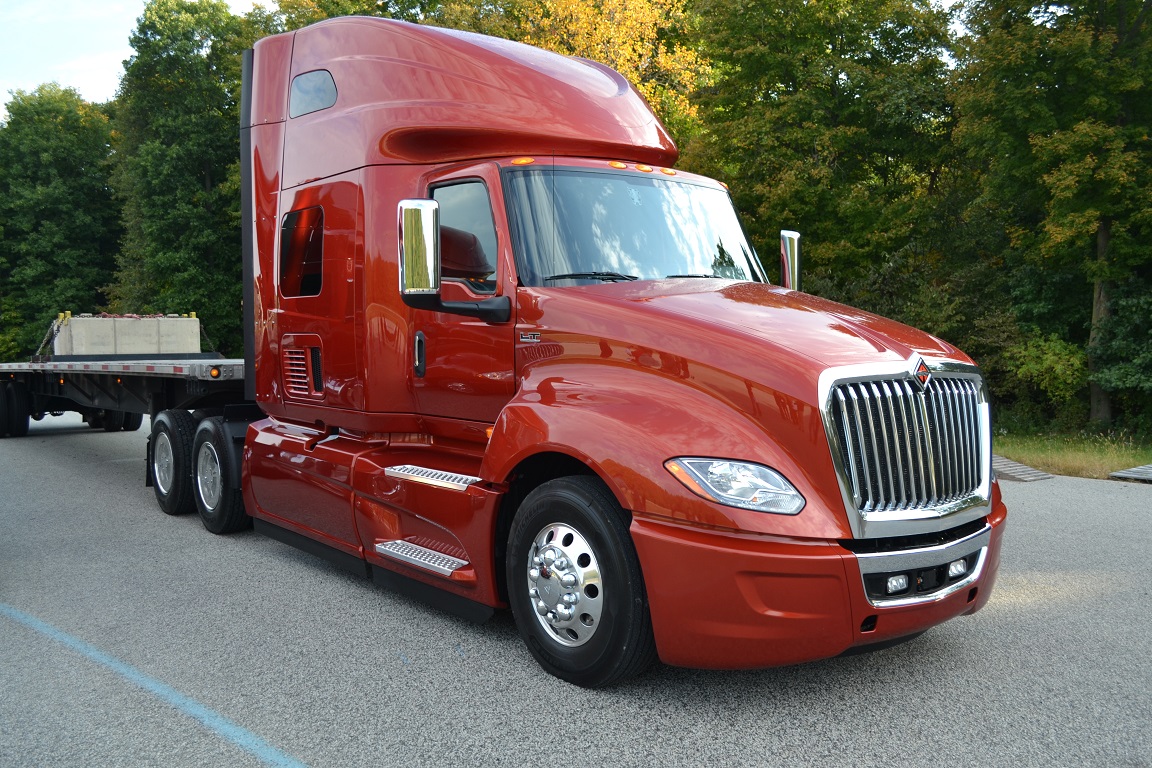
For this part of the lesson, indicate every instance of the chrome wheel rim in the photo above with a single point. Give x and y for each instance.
(162, 461)
(565, 585)
(208, 480)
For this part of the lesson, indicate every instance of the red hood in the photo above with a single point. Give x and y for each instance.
(769, 321)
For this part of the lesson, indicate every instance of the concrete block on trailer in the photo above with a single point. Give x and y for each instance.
(142, 336)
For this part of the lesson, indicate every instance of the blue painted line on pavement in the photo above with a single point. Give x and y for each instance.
(222, 726)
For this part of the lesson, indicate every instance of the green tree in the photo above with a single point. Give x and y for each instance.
(1055, 105)
(60, 220)
(177, 159)
(829, 118)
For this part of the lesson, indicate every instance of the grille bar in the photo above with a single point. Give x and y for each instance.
(906, 449)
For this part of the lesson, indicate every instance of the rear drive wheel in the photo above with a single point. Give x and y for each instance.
(132, 421)
(218, 498)
(19, 408)
(575, 585)
(171, 461)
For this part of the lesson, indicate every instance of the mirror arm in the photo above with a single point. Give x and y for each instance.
(497, 309)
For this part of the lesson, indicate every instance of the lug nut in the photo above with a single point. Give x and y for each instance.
(571, 598)
(534, 574)
(568, 580)
(564, 612)
(533, 593)
(561, 563)
(549, 557)
(541, 608)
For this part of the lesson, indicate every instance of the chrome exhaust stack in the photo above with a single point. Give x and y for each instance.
(790, 259)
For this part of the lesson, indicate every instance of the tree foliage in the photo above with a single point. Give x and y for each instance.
(829, 118)
(177, 157)
(1055, 106)
(60, 228)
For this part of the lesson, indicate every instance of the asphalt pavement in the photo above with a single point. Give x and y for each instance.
(130, 638)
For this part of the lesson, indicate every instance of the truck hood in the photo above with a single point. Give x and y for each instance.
(772, 324)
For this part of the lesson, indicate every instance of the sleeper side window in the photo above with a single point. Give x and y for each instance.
(467, 235)
(311, 92)
(302, 253)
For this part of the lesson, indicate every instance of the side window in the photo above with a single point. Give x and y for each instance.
(302, 252)
(467, 235)
(311, 92)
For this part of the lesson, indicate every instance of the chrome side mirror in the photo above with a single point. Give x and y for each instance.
(419, 236)
(790, 259)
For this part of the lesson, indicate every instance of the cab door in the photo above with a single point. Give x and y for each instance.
(463, 367)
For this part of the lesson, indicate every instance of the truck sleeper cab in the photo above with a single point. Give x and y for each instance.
(506, 356)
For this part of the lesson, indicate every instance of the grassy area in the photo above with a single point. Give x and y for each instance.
(1078, 455)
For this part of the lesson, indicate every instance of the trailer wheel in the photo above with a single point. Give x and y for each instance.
(171, 460)
(132, 421)
(218, 497)
(575, 585)
(113, 420)
(3, 411)
(19, 408)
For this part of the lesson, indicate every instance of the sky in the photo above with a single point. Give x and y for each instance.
(77, 43)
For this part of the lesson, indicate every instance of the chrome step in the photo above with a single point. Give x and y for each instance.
(421, 557)
(431, 477)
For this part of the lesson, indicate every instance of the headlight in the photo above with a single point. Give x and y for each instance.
(738, 484)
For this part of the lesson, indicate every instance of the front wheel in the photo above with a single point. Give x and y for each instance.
(575, 585)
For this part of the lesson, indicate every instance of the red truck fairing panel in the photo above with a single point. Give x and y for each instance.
(413, 93)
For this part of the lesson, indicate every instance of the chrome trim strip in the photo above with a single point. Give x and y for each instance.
(924, 557)
(434, 477)
(421, 557)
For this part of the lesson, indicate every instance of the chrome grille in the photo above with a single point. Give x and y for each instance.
(904, 448)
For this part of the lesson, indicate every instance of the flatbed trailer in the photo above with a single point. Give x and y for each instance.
(115, 392)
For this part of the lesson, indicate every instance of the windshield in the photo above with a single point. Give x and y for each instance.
(580, 226)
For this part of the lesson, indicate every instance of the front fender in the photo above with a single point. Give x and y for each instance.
(624, 423)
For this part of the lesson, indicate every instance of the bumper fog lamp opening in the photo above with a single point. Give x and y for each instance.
(957, 568)
(897, 584)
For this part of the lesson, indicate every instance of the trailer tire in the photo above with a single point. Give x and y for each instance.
(170, 461)
(19, 408)
(132, 421)
(218, 497)
(575, 584)
(113, 420)
(3, 411)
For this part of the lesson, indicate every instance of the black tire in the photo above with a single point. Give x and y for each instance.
(132, 421)
(95, 420)
(113, 421)
(217, 491)
(3, 411)
(19, 408)
(588, 622)
(170, 461)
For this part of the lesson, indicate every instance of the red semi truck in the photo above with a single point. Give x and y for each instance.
(499, 353)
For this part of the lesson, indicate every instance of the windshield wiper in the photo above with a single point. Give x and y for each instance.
(611, 277)
(672, 277)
